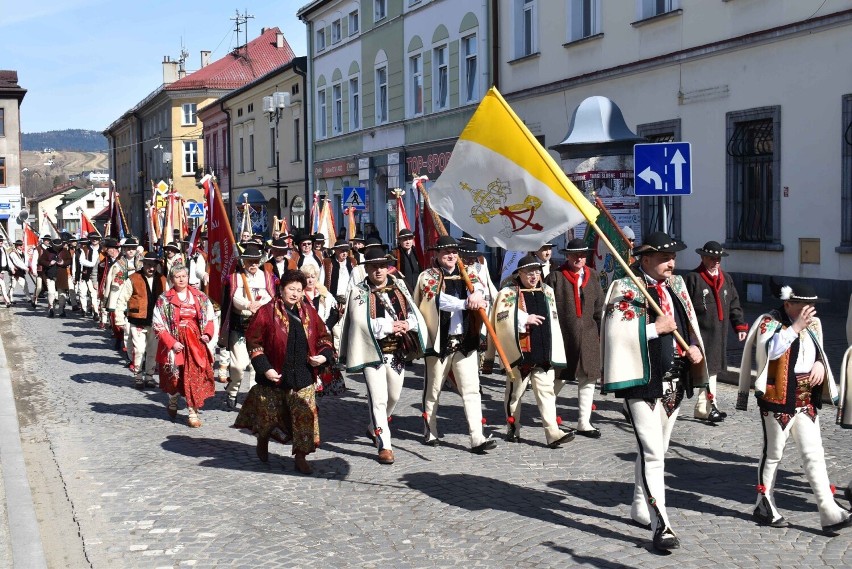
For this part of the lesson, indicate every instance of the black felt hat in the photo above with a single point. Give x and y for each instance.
(130, 242)
(404, 233)
(801, 292)
(302, 238)
(373, 243)
(576, 245)
(712, 249)
(111, 242)
(527, 262)
(376, 255)
(358, 238)
(445, 242)
(278, 244)
(659, 242)
(172, 246)
(318, 237)
(250, 251)
(150, 257)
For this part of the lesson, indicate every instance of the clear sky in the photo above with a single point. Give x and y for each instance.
(85, 62)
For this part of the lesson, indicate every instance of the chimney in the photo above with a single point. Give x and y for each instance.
(279, 40)
(170, 70)
(262, 31)
(205, 58)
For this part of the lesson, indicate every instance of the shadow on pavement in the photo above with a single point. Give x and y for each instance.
(234, 455)
(586, 559)
(477, 493)
(108, 378)
(82, 359)
(141, 410)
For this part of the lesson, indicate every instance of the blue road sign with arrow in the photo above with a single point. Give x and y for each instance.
(663, 169)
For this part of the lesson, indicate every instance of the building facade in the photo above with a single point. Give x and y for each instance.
(391, 85)
(11, 96)
(759, 88)
(260, 151)
(160, 138)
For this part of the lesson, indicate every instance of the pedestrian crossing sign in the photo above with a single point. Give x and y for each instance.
(355, 198)
(195, 209)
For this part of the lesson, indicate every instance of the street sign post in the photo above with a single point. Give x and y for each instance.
(663, 169)
(355, 198)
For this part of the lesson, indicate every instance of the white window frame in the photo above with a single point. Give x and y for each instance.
(416, 87)
(650, 8)
(188, 116)
(581, 12)
(322, 124)
(526, 11)
(468, 93)
(380, 10)
(190, 152)
(354, 103)
(337, 108)
(382, 95)
(336, 31)
(440, 71)
(354, 16)
(320, 38)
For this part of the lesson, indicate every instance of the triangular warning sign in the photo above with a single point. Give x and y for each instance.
(354, 200)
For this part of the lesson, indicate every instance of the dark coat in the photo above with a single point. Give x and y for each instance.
(581, 336)
(714, 332)
(58, 271)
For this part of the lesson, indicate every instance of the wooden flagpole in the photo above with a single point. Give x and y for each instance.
(442, 230)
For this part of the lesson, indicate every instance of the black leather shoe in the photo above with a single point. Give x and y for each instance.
(714, 416)
(848, 493)
(481, 448)
(838, 526)
(665, 539)
(566, 438)
(591, 433)
(262, 449)
(721, 413)
(512, 435)
(50, 313)
(371, 435)
(431, 443)
(231, 403)
(765, 519)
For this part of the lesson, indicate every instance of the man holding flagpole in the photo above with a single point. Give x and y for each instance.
(453, 324)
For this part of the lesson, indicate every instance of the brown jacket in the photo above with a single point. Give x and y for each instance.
(581, 335)
(140, 306)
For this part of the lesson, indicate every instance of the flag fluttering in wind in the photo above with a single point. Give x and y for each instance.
(315, 211)
(351, 226)
(30, 248)
(222, 253)
(502, 186)
(601, 261)
(117, 221)
(326, 225)
(87, 227)
(50, 226)
(425, 232)
(401, 216)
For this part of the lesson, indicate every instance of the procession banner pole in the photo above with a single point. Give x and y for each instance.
(439, 225)
(641, 285)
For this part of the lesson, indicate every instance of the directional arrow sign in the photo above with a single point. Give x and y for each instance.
(663, 169)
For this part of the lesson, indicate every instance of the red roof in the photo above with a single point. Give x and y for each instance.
(239, 67)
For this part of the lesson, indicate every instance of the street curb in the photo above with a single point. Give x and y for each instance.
(27, 548)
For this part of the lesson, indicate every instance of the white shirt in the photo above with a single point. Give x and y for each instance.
(781, 342)
(454, 306)
(257, 289)
(342, 284)
(383, 327)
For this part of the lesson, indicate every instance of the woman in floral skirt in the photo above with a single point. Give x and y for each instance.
(287, 342)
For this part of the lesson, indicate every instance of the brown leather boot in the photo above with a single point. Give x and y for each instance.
(263, 449)
(385, 456)
(302, 464)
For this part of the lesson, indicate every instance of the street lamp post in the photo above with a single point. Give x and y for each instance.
(274, 106)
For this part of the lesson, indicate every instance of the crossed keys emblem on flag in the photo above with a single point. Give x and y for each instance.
(491, 202)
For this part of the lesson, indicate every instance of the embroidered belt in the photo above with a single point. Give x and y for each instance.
(453, 343)
(803, 390)
(389, 344)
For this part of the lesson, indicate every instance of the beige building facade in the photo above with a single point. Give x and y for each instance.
(761, 90)
(11, 96)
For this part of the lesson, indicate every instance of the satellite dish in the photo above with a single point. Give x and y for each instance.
(22, 216)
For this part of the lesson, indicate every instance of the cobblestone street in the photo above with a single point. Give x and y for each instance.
(144, 491)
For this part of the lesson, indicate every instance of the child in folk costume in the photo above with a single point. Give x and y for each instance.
(525, 320)
(792, 375)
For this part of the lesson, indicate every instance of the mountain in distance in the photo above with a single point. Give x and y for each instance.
(72, 139)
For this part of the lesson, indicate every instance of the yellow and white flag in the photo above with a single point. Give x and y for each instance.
(501, 186)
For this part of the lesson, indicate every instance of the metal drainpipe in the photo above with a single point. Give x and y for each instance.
(227, 149)
(140, 156)
(495, 43)
(306, 97)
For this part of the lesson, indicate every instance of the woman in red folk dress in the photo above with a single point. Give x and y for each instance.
(183, 322)
(288, 343)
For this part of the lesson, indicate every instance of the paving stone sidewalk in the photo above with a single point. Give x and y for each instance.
(149, 492)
